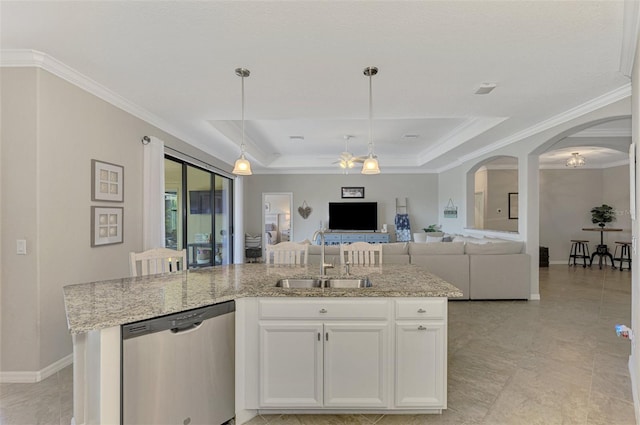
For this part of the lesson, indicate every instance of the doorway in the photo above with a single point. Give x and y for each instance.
(277, 223)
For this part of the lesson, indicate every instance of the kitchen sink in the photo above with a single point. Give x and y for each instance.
(349, 283)
(299, 283)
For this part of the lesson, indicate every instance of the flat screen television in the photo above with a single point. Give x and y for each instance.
(353, 216)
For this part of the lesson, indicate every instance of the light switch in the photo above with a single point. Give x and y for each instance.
(21, 247)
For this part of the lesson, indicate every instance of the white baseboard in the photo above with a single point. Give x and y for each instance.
(558, 262)
(534, 297)
(37, 376)
(634, 387)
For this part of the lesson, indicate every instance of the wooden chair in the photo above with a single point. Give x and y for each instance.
(361, 254)
(288, 253)
(157, 260)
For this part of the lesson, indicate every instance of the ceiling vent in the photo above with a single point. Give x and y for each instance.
(486, 88)
(294, 138)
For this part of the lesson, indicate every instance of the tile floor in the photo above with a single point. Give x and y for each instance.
(556, 361)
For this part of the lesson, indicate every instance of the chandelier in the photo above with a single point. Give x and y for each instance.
(576, 160)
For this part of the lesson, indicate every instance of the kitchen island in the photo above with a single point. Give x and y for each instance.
(264, 312)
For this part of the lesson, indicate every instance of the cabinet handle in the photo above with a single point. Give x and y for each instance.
(422, 328)
(318, 336)
(422, 310)
(323, 310)
(326, 336)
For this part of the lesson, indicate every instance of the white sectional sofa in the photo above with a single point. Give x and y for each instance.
(482, 269)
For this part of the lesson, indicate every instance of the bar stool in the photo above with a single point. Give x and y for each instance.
(579, 249)
(625, 253)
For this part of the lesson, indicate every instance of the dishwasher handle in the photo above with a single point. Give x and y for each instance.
(186, 329)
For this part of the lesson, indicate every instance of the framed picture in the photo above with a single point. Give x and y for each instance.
(353, 192)
(513, 205)
(107, 181)
(106, 225)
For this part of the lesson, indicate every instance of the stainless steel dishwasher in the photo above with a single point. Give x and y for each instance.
(179, 369)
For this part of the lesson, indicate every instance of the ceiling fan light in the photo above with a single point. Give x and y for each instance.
(242, 166)
(370, 166)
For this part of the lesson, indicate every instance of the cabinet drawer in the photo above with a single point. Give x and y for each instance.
(353, 238)
(324, 308)
(421, 308)
(377, 238)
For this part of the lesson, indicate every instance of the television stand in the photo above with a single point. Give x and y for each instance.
(338, 237)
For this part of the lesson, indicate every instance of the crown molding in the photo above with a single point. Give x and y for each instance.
(23, 58)
(469, 129)
(613, 96)
(602, 132)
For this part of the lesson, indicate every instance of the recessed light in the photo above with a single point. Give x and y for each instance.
(486, 88)
(296, 137)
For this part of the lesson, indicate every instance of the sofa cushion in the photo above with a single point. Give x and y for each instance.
(328, 250)
(488, 248)
(437, 248)
(469, 239)
(396, 248)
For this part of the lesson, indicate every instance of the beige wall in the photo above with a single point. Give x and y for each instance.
(50, 132)
(499, 184)
(20, 297)
(318, 190)
(566, 199)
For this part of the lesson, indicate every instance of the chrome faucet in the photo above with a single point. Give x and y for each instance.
(323, 265)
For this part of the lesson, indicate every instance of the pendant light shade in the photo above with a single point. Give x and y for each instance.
(370, 165)
(242, 166)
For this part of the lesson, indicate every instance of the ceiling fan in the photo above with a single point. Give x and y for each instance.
(347, 159)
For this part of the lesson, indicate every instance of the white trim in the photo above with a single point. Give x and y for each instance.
(634, 388)
(585, 167)
(534, 297)
(591, 105)
(32, 377)
(14, 58)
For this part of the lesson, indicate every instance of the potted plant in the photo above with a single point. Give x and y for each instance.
(432, 228)
(602, 215)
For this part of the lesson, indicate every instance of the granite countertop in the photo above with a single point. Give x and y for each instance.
(99, 305)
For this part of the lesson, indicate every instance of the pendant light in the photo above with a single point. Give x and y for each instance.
(242, 166)
(370, 165)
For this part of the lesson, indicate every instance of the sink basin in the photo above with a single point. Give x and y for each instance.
(349, 283)
(299, 283)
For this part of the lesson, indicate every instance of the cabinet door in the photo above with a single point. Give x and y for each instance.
(291, 365)
(356, 359)
(421, 368)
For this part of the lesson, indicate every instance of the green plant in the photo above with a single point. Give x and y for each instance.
(602, 214)
(432, 228)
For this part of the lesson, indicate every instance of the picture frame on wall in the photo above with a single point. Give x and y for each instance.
(106, 226)
(107, 181)
(353, 192)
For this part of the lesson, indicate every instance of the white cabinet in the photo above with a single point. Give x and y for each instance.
(336, 362)
(421, 353)
(355, 364)
(291, 364)
(420, 364)
(357, 354)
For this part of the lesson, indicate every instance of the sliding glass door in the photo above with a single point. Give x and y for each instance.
(198, 213)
